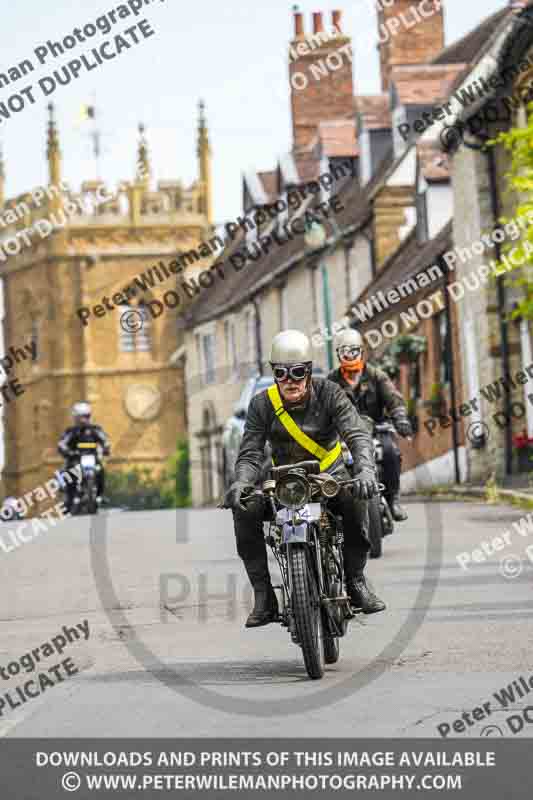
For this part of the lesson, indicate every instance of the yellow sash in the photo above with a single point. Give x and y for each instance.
(326, 457)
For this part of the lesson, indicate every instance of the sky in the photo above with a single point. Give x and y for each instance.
(233, 54)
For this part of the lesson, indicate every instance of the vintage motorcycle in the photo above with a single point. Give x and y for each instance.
(306, 540)
(380, 521)
(86, 496)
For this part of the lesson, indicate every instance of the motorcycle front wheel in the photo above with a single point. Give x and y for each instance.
(305, 603)
(92, 504)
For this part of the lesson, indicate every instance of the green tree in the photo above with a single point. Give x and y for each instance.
(519, 143)
(139, 489)
(176, 488)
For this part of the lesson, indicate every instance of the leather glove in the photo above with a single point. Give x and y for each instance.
(365, 485)
(235, 493)
(403, 426)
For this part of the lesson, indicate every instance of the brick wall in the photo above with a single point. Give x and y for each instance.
(332, 91)
(415, 42)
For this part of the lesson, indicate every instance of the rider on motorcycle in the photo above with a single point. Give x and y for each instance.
(322, 411)
(373, 393)
(83, 431)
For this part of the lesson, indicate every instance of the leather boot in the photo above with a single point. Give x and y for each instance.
(398, 513)
(363, 597)
(265, 608)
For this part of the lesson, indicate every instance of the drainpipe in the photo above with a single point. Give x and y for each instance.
(449, 356)
(500, 290)
(327, 314)
(258, 347)
(504, 324)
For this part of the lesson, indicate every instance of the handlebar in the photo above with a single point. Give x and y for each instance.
(309, 467)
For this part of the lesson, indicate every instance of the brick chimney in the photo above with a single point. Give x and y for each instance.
(409, 34)
(321, 76)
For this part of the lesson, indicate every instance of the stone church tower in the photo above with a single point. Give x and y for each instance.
(55, 261)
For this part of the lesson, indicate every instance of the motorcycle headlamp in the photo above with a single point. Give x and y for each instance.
(293, 491)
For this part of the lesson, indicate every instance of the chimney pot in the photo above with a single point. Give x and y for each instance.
(318, 22)
(298, 24)
(336, 19)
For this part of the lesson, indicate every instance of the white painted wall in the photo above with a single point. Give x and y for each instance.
(439, 206)
(437, 472)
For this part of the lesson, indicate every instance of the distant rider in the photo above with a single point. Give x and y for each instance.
(373, 393)
(323, 413)
(82, 431)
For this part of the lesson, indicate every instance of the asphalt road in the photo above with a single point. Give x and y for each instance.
(448, 641)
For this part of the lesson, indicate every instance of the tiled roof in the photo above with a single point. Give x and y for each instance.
(409, 260)
(375, 111)
(424, 84)
(469, 48)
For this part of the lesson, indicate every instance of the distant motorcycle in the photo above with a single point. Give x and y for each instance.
(306, 540)
(86, 495)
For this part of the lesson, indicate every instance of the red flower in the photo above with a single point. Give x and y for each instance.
(522, 440)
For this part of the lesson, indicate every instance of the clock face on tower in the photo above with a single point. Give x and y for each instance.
(142, 401)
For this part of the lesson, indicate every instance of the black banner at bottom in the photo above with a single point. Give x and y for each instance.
(48, 769)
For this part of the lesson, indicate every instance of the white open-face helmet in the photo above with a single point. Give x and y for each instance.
(81, 409)
(290, 347)
(290, 356)
(350, 348)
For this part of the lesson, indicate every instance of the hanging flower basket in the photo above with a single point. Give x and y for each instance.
(524, 447)
(408, 347)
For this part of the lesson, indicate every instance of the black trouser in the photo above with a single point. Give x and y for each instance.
(251, 545)
(392, 465)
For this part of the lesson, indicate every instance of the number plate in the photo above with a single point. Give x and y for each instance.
(297, 532)
(88, 460)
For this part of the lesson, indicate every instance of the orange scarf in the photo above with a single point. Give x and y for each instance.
(351, 370)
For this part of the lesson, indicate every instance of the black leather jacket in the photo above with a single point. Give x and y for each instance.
(325, 416)
(82, 433)
(375, 396)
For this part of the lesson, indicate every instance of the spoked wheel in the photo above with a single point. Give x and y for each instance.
(307, 612)
(331, 643)
(375, 528)
(333, 588)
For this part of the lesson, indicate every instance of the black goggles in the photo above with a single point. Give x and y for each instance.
(350, 353)
(297, 372)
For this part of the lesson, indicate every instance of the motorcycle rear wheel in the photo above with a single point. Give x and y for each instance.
(307, 612)
(375, 528)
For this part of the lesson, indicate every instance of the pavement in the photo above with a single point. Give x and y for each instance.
(515, 489)
(167, 653)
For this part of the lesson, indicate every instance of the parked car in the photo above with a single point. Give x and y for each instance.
(234, 427)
